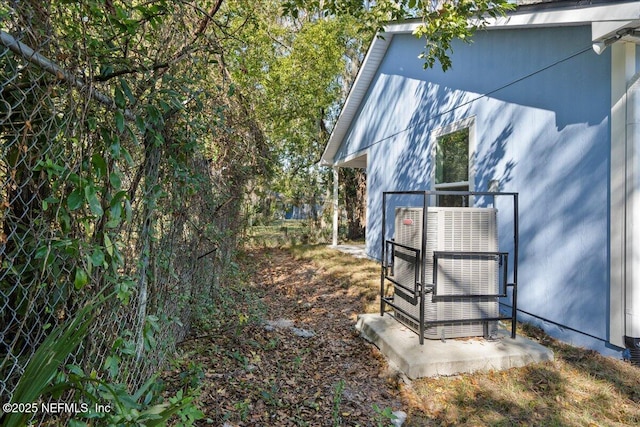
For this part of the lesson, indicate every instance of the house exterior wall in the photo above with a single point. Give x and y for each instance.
(540, 101)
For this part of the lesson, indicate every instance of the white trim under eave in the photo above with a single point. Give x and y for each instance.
(354, 160)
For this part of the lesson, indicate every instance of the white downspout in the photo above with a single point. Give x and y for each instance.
(334, 240)
(632, 291)
(623, 66)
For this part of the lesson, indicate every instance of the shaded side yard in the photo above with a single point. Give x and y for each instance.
(299, 361)
(304, 364)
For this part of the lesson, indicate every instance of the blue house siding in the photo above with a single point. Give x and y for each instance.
(540, 99)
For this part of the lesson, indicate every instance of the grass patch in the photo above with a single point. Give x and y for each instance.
(360, 276)
(579, 388)
(281, 233)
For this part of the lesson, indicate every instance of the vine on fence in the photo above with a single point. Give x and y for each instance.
(124, 151)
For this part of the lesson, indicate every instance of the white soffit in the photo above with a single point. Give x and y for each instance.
(601, 31)
(356, 161)
(605, 19)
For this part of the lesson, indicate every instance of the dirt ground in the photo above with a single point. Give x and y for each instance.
(304, 364)
(298, 361)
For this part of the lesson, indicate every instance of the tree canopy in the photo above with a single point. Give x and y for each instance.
(296, 60)
(442, 20)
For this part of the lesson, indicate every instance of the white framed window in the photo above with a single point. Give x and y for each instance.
(453, 152)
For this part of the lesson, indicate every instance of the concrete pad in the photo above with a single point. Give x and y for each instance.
(454, 356)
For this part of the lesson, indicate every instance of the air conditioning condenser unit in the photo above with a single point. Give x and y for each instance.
(463, 240)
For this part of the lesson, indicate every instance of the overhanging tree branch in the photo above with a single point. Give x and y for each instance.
(106, 77)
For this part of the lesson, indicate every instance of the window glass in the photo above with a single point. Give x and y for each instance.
(452, 167)
(452, 157)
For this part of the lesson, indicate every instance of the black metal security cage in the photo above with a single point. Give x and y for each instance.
(421, 288)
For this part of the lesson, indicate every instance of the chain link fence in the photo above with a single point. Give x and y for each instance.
(102, 193)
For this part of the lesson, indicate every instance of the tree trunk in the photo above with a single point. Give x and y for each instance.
(354, 189)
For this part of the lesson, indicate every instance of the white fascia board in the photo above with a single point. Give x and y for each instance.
(573, 16)
(358, 91)
(623, 13)
(577, 15)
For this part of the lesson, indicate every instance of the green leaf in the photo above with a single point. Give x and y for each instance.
(43, 365)
(75, 178)
(126, 89)
(127, 157)
(112, 365)
(119, 121)
(115, 214)
(99, 164)
(105, 70)
(81, 278)
(116, 210)
(124, 289)
(97, 257)
(154, 115)
(106, 136)
(164, 106)
(108, 245)
(119, 98)
(118, 197)
(114, 179)
(94, 202)
(75, 200)
(113, 222)
(41, 252)
(158, 139)
(75, 369)
(115, 149)
(140, 123)
(92, 123)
